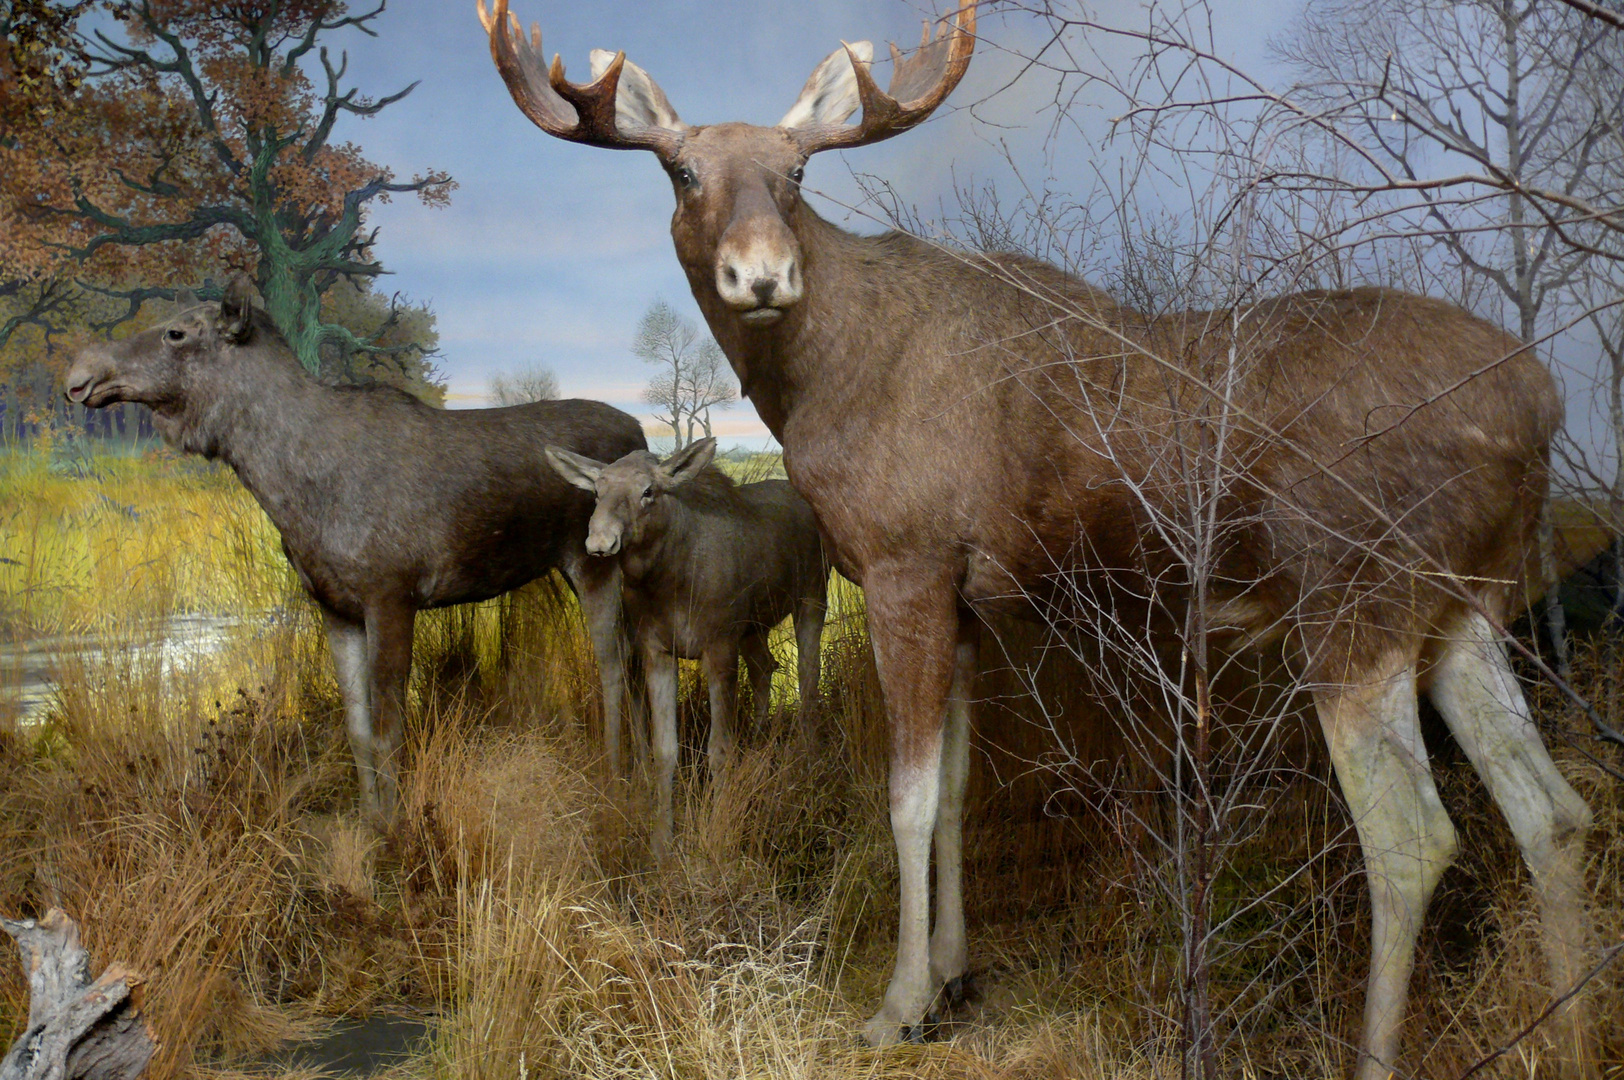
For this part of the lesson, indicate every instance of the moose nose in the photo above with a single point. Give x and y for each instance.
(602, 545)
(89, 368)
(758, 269)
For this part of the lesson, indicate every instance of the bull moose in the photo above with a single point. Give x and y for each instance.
(981, 432)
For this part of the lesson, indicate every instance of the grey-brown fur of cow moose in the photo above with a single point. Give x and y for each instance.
(982, 432)
(385, 505)
(708, 568)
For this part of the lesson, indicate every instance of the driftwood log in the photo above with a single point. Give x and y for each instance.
(78, 1029)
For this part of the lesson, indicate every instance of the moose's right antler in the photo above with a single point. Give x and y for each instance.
(582, 113)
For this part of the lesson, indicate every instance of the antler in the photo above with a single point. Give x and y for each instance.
(578, 112)
(919, 83)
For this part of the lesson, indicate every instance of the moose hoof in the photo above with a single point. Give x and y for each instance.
(884, 1030)
(957, 990)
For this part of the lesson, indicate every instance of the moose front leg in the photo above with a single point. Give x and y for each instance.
(914, 626)
(348, 642)
(660, 672)
(597, 585)
(949, 951)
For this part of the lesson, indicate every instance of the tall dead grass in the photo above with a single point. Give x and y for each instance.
(207, 837)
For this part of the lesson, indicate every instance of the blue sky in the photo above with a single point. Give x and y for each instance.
(550, 251)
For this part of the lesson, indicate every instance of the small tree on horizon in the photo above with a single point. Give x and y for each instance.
(693, 376)
(530, 383)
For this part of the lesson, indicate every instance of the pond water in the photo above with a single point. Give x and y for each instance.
(30, 669)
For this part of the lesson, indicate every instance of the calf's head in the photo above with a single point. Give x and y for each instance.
(631, 492)
(737, 185)
(161, 367)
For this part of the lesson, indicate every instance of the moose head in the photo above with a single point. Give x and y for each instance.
(738, 186)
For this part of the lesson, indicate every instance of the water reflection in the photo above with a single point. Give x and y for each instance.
(31, 669)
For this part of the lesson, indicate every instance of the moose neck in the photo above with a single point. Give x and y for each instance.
(804, 360)
(263, 416)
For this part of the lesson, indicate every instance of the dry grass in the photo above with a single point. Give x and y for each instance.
(207, 836)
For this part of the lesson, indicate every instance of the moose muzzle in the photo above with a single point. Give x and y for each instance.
(758, 269)
(92, 368)
(603, 536)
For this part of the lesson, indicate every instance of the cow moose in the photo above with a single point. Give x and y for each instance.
(385, 505)
(708, 568)
(981, 432)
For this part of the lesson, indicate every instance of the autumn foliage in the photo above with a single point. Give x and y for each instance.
(149, 145)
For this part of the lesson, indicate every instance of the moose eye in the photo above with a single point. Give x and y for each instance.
(175, 335)
(797, 174)
(686, 178)
(648, 494)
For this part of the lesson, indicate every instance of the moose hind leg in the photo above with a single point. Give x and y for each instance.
(759, 665)
(348, 642)
(1477, 694)
(1373, 732)
(722, 677)
(810, 614)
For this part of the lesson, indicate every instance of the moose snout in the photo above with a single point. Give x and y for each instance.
(90, 368)
(602, 540)
(758, 272)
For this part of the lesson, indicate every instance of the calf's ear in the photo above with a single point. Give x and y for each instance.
(688, 462)
(581, 471)
(236, 319)
(185, 298)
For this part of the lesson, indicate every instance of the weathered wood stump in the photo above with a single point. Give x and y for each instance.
(77, 1029)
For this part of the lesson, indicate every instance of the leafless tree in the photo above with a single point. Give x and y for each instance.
(530, 383)
(692, 376)
(1506, 85)
(1599, 293)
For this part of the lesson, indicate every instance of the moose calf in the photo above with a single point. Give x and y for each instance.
(385, 505)
(708, 568)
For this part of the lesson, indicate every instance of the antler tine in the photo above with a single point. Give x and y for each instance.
(920, 82)
(576, 112)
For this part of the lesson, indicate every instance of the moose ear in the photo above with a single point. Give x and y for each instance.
(830, 95)
(581, 471)
(236, 318)
(639, 101)
(688, 462)
(185, 298)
